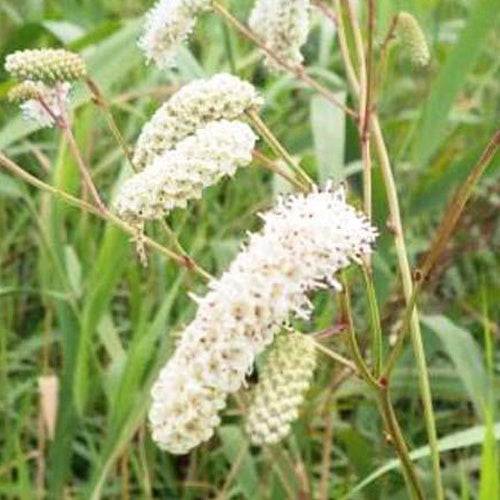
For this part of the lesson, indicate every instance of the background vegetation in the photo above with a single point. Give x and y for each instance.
(75, 302)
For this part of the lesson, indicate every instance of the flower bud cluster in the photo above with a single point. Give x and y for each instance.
(413, 40)
(283, 25)
(287, 374)
(26, 91)
(181, 174)
(40, 103)
(46, 65)
(222, 96)
(305, 239)
(168, 25)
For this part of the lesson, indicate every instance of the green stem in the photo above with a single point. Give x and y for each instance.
(273, 167)
(335, 356)
(353, 342)
(443, 234)
(105, 214)
(298, 71)
(375, 322)
(455, 209)
(405, 271)
(102, 104)
(277, 147)
(399, 443)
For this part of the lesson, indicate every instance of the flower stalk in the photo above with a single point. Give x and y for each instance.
(298, 71)
(277, 147)
(105, 214)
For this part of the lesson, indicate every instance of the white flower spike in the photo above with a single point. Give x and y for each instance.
(168, 25)
(283, 25)
(222, 96)
(180, 175)
(304, 241)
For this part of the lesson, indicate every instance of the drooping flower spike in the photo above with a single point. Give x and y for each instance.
(222, 96)
(181, 174)
(276, 399)
(46, 65)
(304, 241)
(168, 25)
(283, 25)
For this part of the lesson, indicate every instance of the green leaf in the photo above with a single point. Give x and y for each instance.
(235, 447)
(9, 187)
(465, 356)
(106, 272)
(457, 440)
(74, 270)
(489, 488)
(328, 125)
(431, 129)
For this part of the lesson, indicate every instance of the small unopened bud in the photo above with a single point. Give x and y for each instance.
(413, 39)
(26, 91)
(47, 65)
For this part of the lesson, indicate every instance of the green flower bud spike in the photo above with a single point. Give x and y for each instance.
(26, 91)
(413, 40)
(46, 65)
(280, 391)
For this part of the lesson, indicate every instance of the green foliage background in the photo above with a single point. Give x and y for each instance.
(75, 302)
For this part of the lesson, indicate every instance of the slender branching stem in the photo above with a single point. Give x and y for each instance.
(103, 105)
(105, 214)
(364, 86)
(398, 441)
(344, 50)
(82, 166)
(277, 169)
(190, 262)
(443, 234)
(64, 124)
(376, 329)
(407, 318)
(455, 209)
(334, 355)
(277, 147)
(404, 268)
(346, 309)
(406, 276)
(403, 262)
(298, 70)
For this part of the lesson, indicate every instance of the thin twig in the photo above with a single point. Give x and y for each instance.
(335, 356)
(455, 209)
(277, 147)
(344, 50)
(443, 234)
(84, 171)
(346, 311)
(103, 105)
(274, 167)
(324, 485)
(298, 71)
(399, 443)
(106, 215)
(406, 275)
(404, 268)
(364, 69)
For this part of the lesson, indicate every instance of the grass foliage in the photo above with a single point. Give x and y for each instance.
(76, 303)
